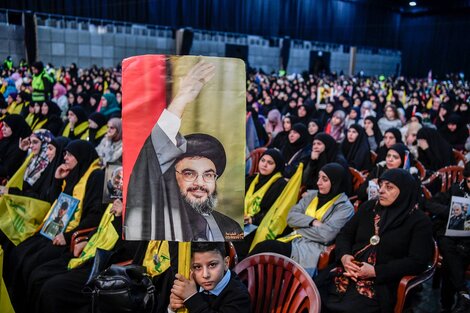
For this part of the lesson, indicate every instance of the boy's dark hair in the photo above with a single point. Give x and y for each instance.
(208, 246)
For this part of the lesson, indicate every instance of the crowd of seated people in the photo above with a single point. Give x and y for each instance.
(331, 124)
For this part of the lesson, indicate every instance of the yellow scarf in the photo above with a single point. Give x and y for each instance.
(30, 119)
(313, 212)
(16, 108)
(81, 129)
(102, 131)
(39, 124)
(78, 193)
(253, 199)
(104, 238)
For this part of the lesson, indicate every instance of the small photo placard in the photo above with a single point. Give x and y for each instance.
(458, 224)
(113, 182)
(60, 217)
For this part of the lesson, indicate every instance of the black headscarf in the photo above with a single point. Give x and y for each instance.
(336, 174)
(331, 147)
(85, 154)
(19, 127)
(292, 148)
(357, 153)
(382, 151)
(396, 133)
(396, 213)
(100, 120)
(439, 154)
(377, 133)
(458, 137)
(278, 160)
(80, 113)
(401, 149)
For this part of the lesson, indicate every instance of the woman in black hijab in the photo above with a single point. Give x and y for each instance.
(385, 240)
(80, 168)
(355, 148)
(433, 150)
(13, 129)
(97, 128)
(296, 149)
(77, 127)
(324, 150)
(374, 135)
(281, 139)
(455, 132)
(317, 219)
(261, 191)
(391, 137)
(49, 118)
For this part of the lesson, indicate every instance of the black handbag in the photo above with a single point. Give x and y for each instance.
(122, 289)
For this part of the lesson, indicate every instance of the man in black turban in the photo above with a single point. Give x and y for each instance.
(172, 192)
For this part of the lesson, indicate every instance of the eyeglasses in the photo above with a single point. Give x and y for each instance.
(190, 176)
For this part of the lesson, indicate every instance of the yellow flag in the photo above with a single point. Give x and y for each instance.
(16, 181)
(184, 263)
(157, 258)
(5, 304)
(20, 216)
(275, 221)
(105, 238)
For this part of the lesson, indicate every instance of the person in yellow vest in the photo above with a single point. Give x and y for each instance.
(80, 177)
(42, 83)
(8, 63)
(316, 220)
(77, 127)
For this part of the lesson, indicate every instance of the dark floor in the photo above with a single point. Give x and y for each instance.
(425, 301)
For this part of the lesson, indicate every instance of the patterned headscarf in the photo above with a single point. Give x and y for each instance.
(39, 162)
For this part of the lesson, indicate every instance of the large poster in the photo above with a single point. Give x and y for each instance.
(184, 141)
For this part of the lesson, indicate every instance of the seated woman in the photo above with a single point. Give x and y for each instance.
(385, 240)
(37, 173)
(109, 106)
(84, 181)
(280, 140)
(14, 127)
(396, 158)
(273, 124)
(296, 149)
(391, 137)
(97, 128)
(335, 127)
(261, 192)
(374, 135)
(56, 286)
(110, 147)
(455, 251)
(391, 118)
(49, 118)
(433, 150)
(454, 131)
(317, 219)
(77, 127)
(313, 128)
(324, 150)
(356, 148)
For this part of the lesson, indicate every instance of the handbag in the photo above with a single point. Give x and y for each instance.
(122, 289)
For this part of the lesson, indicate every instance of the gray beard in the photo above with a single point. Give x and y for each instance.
(206, 207)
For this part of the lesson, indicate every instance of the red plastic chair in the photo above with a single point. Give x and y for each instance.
(278, 284)
(448, 175)
(79, 236)
(357, 178)
(407, 283)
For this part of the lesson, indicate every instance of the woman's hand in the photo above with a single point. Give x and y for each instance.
(59, 240)
(350, 265)
(191, 86)
(3, 190)
(78, 248)
(248, 220)
(423, 144)
(24, 143)
(314, 155)
(366, 271)
(62, 171)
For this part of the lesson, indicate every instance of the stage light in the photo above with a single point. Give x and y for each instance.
(412, 3)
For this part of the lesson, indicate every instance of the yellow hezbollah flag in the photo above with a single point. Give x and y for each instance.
(21, 216)
(157, 258)
(105, 238)
(184, 263)
(275, 221)
(5, 304)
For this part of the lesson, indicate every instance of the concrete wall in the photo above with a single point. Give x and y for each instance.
(62, 43)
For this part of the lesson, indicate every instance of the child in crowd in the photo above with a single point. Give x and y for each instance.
(211, 286)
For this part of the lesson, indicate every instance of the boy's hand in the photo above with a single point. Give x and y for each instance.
(183, 287)
(176, 302)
